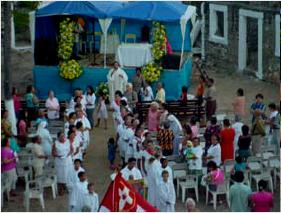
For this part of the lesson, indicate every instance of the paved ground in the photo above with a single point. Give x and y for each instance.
(96, 163)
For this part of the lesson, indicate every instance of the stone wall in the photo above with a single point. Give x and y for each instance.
(225, 57)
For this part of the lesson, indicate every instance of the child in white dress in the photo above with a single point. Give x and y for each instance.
(102, 111)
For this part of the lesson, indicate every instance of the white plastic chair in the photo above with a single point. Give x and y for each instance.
(179, 172)
(5, 187)
(50, 180)
(266, 176)
(191, 182)
(255, 165)
(33, 190)
(222, 189)
(274, 164)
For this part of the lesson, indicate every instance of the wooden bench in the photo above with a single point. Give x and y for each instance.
(180, 110)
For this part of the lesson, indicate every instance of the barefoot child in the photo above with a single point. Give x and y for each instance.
(102, 111)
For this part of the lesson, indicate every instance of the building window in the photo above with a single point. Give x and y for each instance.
(277, 35)
(218, 26)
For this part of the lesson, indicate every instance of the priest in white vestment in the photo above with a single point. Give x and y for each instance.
(117, 80)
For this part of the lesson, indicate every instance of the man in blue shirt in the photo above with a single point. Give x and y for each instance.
(258, 105)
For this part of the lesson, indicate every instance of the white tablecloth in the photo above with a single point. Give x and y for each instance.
(134, 55)
(111, 44)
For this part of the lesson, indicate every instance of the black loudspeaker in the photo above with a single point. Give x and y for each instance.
(171, 62)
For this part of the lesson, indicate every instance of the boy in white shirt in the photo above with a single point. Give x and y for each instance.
(78, 193)
(91, 199)
(130, 171)
(167, 195)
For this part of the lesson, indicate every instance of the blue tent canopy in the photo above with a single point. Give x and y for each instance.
(151, 10)
(108, 6)
(84, 8)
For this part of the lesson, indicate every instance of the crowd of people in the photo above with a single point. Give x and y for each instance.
(144, 146)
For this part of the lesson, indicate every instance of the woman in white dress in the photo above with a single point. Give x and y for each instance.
(62, 151)
(53, 106)
(117, 80)
(46, 138)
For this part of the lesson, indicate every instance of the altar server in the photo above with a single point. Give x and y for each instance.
(130, 171)
(77, 195)
(91, 199)
(167, 194)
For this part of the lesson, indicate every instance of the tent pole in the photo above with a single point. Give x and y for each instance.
(94, 43)
(105, 40)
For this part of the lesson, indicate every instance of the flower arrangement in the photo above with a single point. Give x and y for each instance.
(69, 69)
(159, 41)
(66, 39)
(151, 72)
(103, 89)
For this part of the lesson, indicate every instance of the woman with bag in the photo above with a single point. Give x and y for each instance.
(258, 132)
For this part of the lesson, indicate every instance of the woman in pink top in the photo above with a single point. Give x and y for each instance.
(215, 176)
(153, 117)
(239, 104)
(53, 106)
(8, 164)
(22, 128)
(194, 127)
(17, 103)
(262, 201)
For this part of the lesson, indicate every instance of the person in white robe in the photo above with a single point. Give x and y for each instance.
(77, 195)
(73, 175)
(79, 142)
(164, 166)
(147, 93)
(62, 151)
(117, 80)
(167, 194)
(237, 126)
(116, 110)
(128, 135)
(176, 127)
(39, 156)
(152, 171)
(130, 171)
(46, 138)
(86, 127)
(91, 199)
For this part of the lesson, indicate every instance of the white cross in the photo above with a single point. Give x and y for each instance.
(124, 198)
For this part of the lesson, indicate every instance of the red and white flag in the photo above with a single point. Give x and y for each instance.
(121, 196)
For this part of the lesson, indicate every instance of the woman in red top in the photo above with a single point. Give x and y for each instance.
(227, 141)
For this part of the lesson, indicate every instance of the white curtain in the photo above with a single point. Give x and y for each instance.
(104, 24)
(190, 13)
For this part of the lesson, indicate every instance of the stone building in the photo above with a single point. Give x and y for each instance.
(239, 37)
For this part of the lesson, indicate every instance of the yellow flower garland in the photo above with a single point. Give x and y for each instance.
(69, 69)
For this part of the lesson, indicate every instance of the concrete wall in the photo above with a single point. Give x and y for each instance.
(225, 57)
